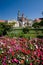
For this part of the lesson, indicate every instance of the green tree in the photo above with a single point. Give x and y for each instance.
(41, 23)
(36, 25)
(5, 27)
(25, 30)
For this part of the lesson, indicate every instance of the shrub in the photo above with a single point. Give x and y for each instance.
(39, 36)
(4, 28)
(25, 30)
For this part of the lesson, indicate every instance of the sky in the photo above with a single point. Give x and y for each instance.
(31, 8)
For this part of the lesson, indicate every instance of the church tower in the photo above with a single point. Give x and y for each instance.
(18, 15)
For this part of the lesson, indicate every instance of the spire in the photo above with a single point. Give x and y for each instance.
(22, 14)
(18, 14)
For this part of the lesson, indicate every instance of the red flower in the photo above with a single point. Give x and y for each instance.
(23, 50)
(38, 55)
(28, 51)
(12, 53)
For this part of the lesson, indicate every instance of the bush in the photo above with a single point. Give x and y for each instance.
(1, 29)
(25, 30)
(39, 36)
(10, 34)
(4, 28)
(1, 32)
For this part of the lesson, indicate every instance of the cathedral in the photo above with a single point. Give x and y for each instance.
(23, 21)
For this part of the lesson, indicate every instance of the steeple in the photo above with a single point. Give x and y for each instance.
(22, 14)
(18, 14)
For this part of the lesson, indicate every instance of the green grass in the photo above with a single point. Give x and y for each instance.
(31, 33)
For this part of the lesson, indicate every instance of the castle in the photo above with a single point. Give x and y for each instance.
(23, 21)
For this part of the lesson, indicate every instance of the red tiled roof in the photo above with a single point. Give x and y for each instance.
(38, 19)
(2, 20)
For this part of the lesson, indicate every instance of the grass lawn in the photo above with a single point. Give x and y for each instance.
(19, 33)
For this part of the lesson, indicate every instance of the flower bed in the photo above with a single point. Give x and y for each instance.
(21, 51)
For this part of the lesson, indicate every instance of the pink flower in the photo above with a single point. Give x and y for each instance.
(38, 55)
(10, 49)
(12, 60)
(4, 59)
(34, 52)
(30, 63)
(3, 63)
(41, 58)
(15, 60)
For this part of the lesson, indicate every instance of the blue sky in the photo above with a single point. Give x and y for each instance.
(31, 8)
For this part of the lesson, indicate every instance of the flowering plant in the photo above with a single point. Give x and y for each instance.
(21, 51)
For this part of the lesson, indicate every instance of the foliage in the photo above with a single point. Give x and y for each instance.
(36, 25)
(12, 23)
(39, 36)
(21, 34)
(10, 34)
(1, 29)
(4, 27)
(41, 23)
(25, 30)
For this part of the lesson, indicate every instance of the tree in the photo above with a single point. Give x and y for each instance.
(25, 30)
(11, 23)
(41, 23)
(5, 27)
(36, 25)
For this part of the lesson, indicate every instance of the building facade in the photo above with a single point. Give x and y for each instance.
(23, 21)
(14, 21)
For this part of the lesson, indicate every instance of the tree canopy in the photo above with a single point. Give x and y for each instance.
(5, 27)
